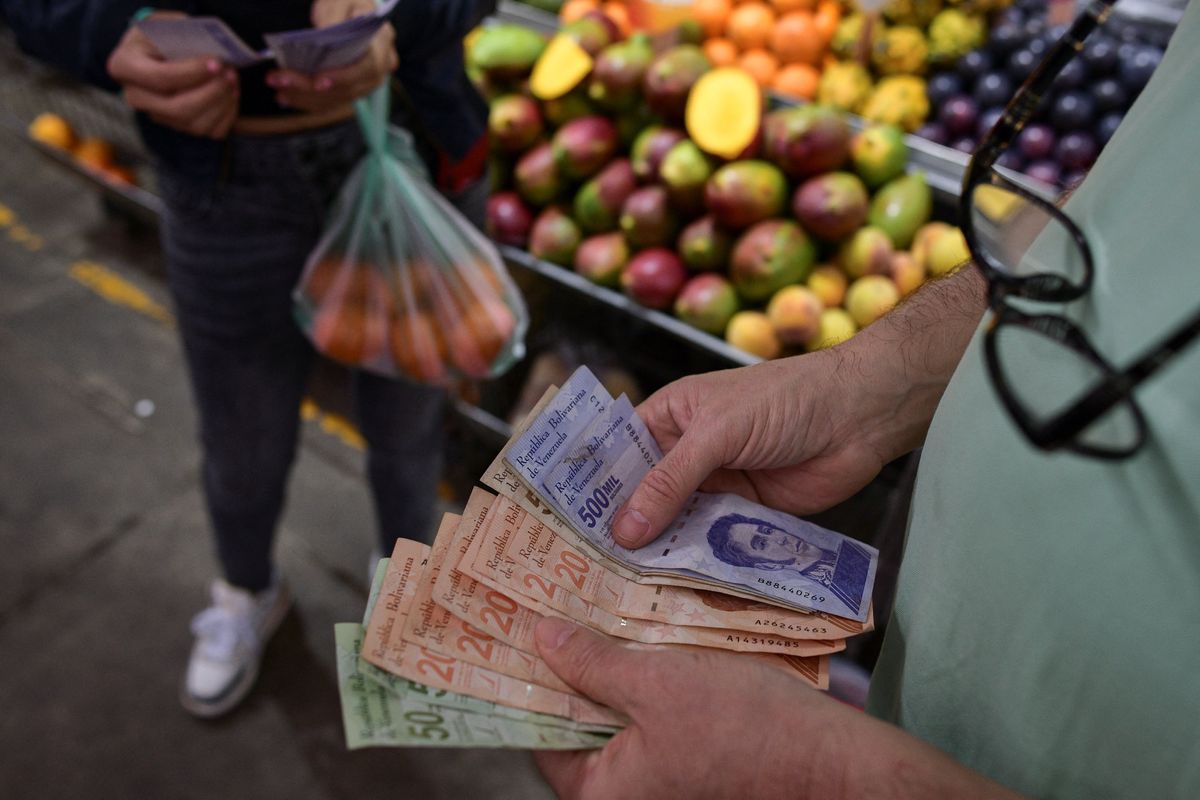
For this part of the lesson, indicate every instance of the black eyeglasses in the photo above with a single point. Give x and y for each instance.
(1087, 405)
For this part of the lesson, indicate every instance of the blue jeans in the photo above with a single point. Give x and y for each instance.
(234, 251)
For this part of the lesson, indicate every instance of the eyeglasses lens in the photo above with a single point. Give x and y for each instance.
(1022, 238)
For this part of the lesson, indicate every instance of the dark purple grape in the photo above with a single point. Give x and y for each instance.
(1077, 150)
(1035, 26)
(1128, 49)
(1071, 180)
(1011, 159)
(1074, 74)
(1038, 46)
(933, 131)
(1036, 142)
(987, 120)
(1054, 33)
(942, 87)
(964, 145)
(958, 115)
(1073, 111)
(1125, 32)
(994, 89)
(1100, 54)
(1135, 73)
(1107, 126)
(1004, 39)
(1110, 95)
(1010, 17)
(973, 65)
(1044, 171)
(1020, 64)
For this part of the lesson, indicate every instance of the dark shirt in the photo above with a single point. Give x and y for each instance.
(79, 35)
(250, 21)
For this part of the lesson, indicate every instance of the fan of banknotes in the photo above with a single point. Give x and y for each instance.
(445, 654)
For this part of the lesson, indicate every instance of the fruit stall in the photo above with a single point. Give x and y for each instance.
(759, 180)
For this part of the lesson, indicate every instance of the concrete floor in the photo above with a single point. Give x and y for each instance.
(107, 553)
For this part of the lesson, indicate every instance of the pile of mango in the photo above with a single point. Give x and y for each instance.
(829, 50)
(640, 166)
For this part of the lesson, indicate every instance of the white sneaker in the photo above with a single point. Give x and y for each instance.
(230, 637)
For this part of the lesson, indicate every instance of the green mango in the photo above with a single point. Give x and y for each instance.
(901, 207)
(506, 52)
(879, 154)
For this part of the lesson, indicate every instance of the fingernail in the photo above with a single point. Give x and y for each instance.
(214, 66)
(323, 84)
(630, 526)
(552, 633)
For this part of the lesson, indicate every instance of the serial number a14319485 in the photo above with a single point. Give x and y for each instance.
(592, 510)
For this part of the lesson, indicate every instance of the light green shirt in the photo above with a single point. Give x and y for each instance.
(1046, 631)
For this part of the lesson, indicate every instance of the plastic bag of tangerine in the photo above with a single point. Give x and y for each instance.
(401, 284)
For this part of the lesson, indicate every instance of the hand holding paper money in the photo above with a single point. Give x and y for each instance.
(197, 97)
(455, 623)
(307, 51)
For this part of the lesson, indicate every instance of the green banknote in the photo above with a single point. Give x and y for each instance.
(376, 587)
(375, 716)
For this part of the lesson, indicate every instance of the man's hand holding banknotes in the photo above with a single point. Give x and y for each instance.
(708, 723)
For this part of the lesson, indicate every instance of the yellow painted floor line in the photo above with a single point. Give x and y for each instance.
(118, 291)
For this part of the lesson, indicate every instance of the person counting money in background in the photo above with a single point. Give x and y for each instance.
(248, 164)
(1031, 648)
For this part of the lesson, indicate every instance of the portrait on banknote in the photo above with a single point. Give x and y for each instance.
(744, 541)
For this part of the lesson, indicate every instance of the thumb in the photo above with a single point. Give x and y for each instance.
(590, 663)
(566, 770)
(659, 498)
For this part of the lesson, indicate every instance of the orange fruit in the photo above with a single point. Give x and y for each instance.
(797, 80)
(617, 12)
(721, 52)
(712, 15)
(784, 6)
(826, 18)
(120, 174)
(53, 130)
(797, 40)
(93, 152)
(350, 334)
(750, 25)
(762, 64)
(418, 349)
(574, 9)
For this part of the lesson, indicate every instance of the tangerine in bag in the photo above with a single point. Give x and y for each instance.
(401, 284)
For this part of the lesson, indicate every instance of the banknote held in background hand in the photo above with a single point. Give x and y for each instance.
(309, 50)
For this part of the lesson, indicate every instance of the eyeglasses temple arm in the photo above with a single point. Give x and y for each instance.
(1098, 401)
